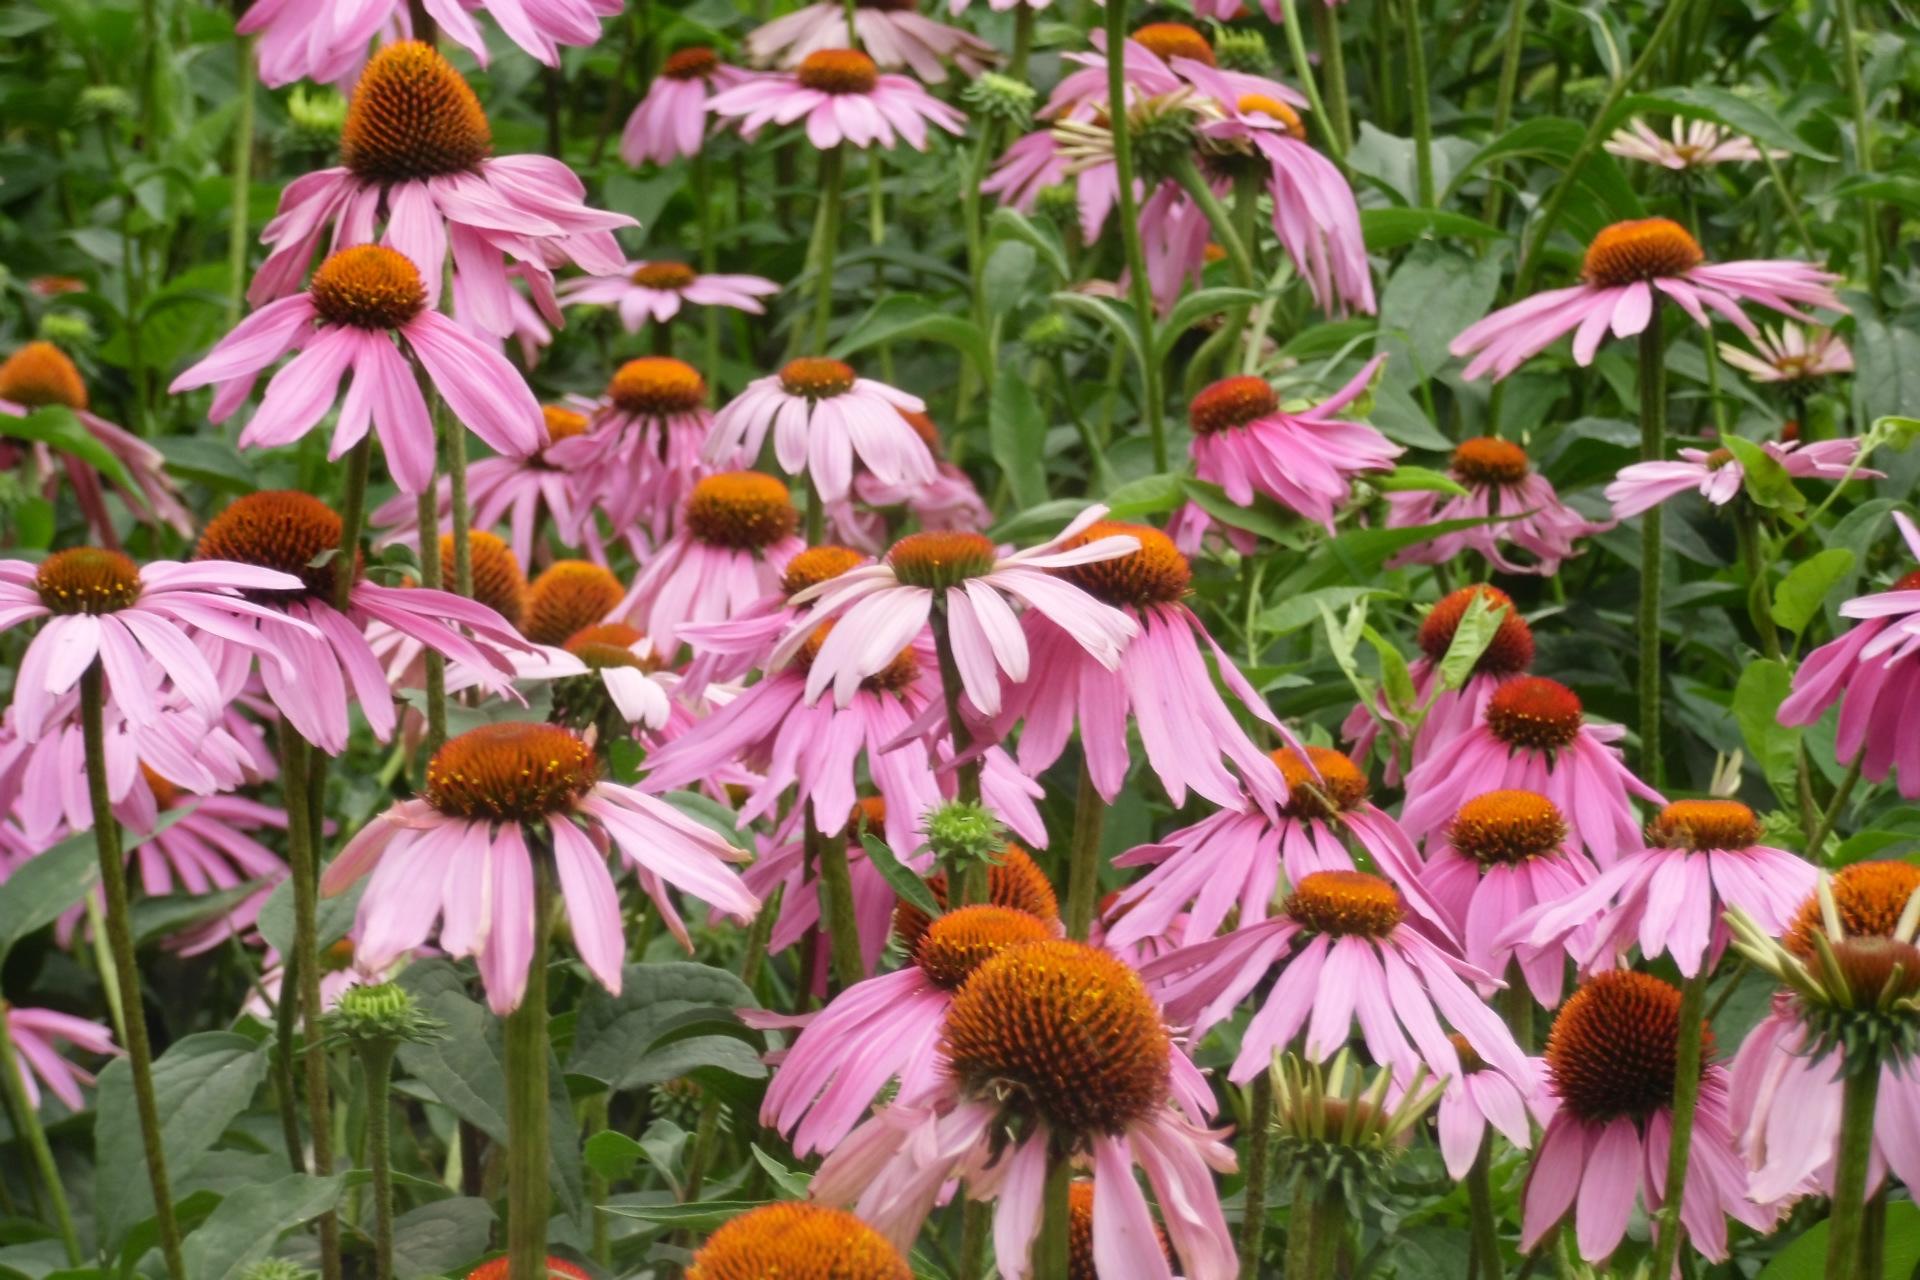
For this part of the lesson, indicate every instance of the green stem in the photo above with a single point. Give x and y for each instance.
(1746, 526)
(1226, 231)
(1127, 210)
(1873, 1238)
(1859, 1093)
(1253, 1217)
(1083, 856)
(1326, 30)
(1309, 83)
(1862, 136)
(1486, 1236)
(26, 1120)
(1510, 51)
(709, 261)
(836, 903)
(456, 440)
(238, 230)
(1300, 1221)
(1022, 42)
(113, 892)
(286, 1009)
(527, 1102)
(1052, 1247)
(832, 170)
(972, 224)
(304, 871)
(598, 1189)
(1663, 30)
(1422, 113)
(353, 517)
(1653, 447)
(976, 1233)
(1686, 1097)
(376, 1063)
(950, 684)
(1841, 795)
(427, 515)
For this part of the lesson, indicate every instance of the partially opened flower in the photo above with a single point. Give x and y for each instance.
(1480, 1098)
(656, 291)
(1235, 859)
(1610, 1069)
(946, 502)
(823, 416)
(567, 597)
(843, 98)
(1630, 268)
(359, 302)
(1447, 713)
(328, 43)
(1534, 737)
(35, 1033)
(798, 1241)
(735, 537)
(1305, 460)
(893, 32)
(139, 623)
(1873, 672)
(1702, 858)
(1791, 354)
(1347, 953)
(671, 120)
(40, 374)
(1501, 855)
(1717, 475)
(643, 451)
(332, 661)
(1516, 505)
(206, 843)
(417, 156)
(462, 854)
(1694, 144)
(618, 671)
(1051, 1050)
(884, 606)
(731, 649)
(1162, 685)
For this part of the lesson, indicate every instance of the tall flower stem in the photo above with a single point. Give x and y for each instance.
(1515, 41)
(1083, 856)
(26, 1123)
(376, 1063)
(527, 1103)
(1417, 91)
(1139, 291)
(1227, 233)
(1309, 82)
(353, 518)
(1859, 1093)
(971, 881)
(827, 240)
(303, 861)
(1300, 1215)
(1653, 447)
(709, 261)
(1686, 1098)
(1326, 30)
(1022, 42)
(829, 857)
(455, 435)
(1051, 1252)
(1862, 136)
(1486, 1238)
(1253, 1216)
(238, 230)
(1841, 794)
(286, 1011)
(113, 893)
(427, 517)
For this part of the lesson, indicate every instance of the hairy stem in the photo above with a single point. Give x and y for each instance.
(1253, 1217)
(1858, 1095)
(527, 1104)
(1083, 856)
(238, 231)
(836, 902)
(832, 170)
(1051, 1253)
(1686, 1098)
(26, 1124)
(1127, 210)
(376, 1063)
(1653, 447)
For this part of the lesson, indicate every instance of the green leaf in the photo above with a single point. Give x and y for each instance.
(209, 460)
(1356, 555)
(613, 1155)
(1555, 140)
(1478, 625)
(45, 886)
(634, 1039)
(1705, 102)
(1010, 223)
(1765, 480)
(154, 918)
(1763, 686)
(1421, 479)
(1890, 188)
(1265, 517)
(900, 878)
(1017, 430)
(1117, 319)
(447, 1235)
(1195, 307)
(1007, 274)
(906, 317)
(59, 428)
(701, 1216)
(1435, 292)
(1395, 679)
(791, 1182)
(250, 1221)
(1797, 600)
(1805, 1257)
(1148, 496)
(1385, 229)
(331, 918)
(710, 813)
(201, 1084)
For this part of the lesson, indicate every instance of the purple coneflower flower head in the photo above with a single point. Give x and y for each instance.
(359, 302)
(35, 1033)
(1717, 475)
(823, 416)
(1518, 506)
(1694, 144)
(462, 854)
(1791, 354)
(732, 649)
(656, 292)
(843, 98)
(671, 120)
(643, 451)
(893, 32)
(328, 43)
(1630, 267)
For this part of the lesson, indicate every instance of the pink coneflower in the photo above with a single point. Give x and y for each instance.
(1717, 475)
(529, 494)
(1346, 951)
(34, 1033)
(643, 451)
(887, 1029)
(1103, 1080)
(1234, 859)
(1502, 854)
(1791, 354)
(1533, 736)
(40, 374)
(139, 622)
(326, 43)
(893, 32)
(1625, 265)
(885, 605)
(1695, 144)
(1610, 1068)
(416, 152)
(655, 291)
(205, 845)
(332, 662)
(735, 537)
(843, 98)
(1701, 858)
(949, 501)
(1162, 684)
(1516, 503)
(1872, 672)
(1306, 460)
(358, 302)
(822, 417)
(462, 853)
(671, 120)
(1449, 713)
(1480, 1097)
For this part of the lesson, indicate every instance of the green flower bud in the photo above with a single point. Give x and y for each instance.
(276, 1269)
(104, 101)
(1237, 49)
(385, 1012)
(964, 832)
(1049, 334)
(67, 328)
(1000, 98)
